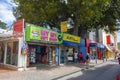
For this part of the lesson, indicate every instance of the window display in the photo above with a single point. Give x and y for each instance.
(2, 50)
(32, 56)
(12, 53)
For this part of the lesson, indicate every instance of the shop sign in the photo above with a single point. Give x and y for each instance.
(18, 28)
(100, 45)
(71, 38)
(93, 44)
(44, 35)
(108, 39)
(35, 33)
(63, 26)
(53, 37)
(38, 33)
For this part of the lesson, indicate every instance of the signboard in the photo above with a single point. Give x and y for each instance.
(42, 34)
(64, 26)
(18, 28)
(71, 38)
(108, 39)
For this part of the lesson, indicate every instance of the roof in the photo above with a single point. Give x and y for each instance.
(5, 33)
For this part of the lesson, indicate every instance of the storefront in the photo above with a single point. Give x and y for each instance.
(109, 52)
(69, 46)
(82, 48)
(87, 45)
(93, 51)
(10, 53)
(43, 46)
(101, 51)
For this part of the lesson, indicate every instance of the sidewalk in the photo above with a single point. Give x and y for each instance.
(55, 73)
(52, 73)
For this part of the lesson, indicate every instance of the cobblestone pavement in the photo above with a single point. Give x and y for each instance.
(47, 74)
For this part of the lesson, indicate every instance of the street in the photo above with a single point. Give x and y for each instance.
(102, 71)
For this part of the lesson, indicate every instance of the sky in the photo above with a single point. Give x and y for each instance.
(6, 14)
(118, 36)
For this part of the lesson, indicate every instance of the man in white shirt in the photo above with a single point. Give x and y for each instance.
(76, 57)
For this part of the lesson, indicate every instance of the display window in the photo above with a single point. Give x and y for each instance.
(53, 55)
(2, 51)
(12, 53)
(93, 52)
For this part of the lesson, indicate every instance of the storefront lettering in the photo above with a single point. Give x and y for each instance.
(34, 33)
(44, 35)
(52, 36)
(71, 38)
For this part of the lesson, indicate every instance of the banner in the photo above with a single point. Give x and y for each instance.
(18, 28)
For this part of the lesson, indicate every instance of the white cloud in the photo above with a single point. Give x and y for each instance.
(6, 14)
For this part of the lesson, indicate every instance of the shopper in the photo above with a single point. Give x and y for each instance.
(80, 57)
(87, 59)
(66, 56)
(76, 57)
(119, 58)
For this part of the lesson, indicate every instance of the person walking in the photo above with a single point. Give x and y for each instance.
(80, 57)
(66, 56)
(119, 58)
(76, 57)
(87, 59)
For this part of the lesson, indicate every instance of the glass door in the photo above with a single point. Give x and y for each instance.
(12, 53)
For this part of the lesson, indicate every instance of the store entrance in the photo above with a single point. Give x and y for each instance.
(41, 55)
(67, 55)
(37, 55)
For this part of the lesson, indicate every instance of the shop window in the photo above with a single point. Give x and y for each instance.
(9, 52)
(12, 53)
(15, 53)
(2, 50)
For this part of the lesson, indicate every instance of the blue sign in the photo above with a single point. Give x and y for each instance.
(99, 45)
(93, 44)
(67, 43)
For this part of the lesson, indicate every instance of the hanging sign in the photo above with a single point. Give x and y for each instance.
(63, 26)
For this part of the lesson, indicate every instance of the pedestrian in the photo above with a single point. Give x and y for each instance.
(66, 56)
(76, 57)
(119, 58)
(87, 59)
(80, 57)
(115, 55)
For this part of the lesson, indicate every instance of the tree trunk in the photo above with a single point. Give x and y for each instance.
(83, 32)
(75, 29)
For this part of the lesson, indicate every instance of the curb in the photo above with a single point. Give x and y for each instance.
(82, 69)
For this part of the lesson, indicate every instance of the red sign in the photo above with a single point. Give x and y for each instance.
(108, 39)
(18, 28)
